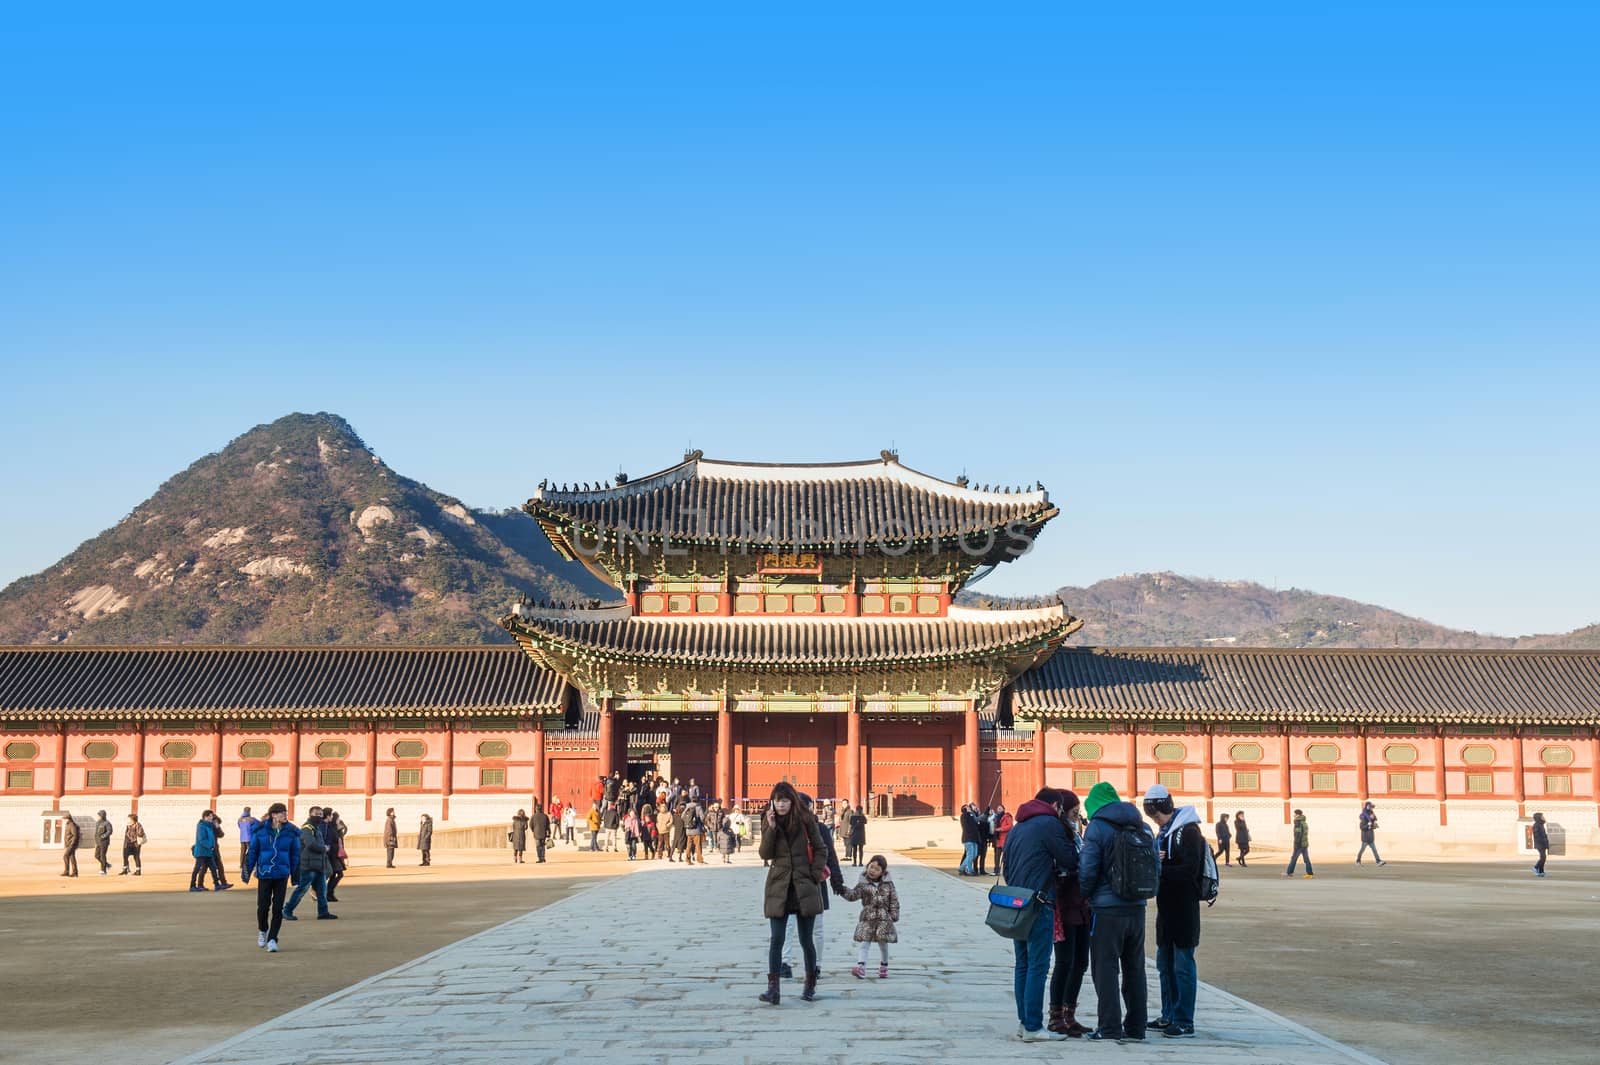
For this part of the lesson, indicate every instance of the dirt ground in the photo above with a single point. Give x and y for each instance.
(138, 970)
(1415, 963)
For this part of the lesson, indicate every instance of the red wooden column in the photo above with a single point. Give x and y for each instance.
(61, 768)
(1133, 763)
(538, 764)
(969, 754)
(852, 758)
(1438, 774)
(607, 727)
(1284, 790)
(294, 765)
(216, 766)
(1039, 740)
(1210, 770)
(447, 786)
(724, 782)
(1361, 763)
(372, 765)
(1516, 769)
(852, 597)
(138, 763)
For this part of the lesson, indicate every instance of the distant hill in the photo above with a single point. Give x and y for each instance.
(1168, 610)
(295, 533)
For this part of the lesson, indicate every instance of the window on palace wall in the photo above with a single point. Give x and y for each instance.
(1245, 752)
(705, 604)
(899, 604)
(747, 604)
(255, 778)
(175, 778)
(1084, 778)
(1549, 756)
(330, 778)
(1400, 754)
(1085, 751)
(1170, 752)
(1480, 783)
(833, 604)
(1478, 754)
(408, 778)
(410, 749)
(1246, 780)
(19, 778)
(99, 750)
(1322, 753)
(177, 750)
(22, 752)
(1170, 778)
(494, 749)
(872, 604)
(1558, 784)
(927, 604)
(97, 778)
(805, 604)
(255, 749)
(333, 750)
(492, 778)
(1324, 782)
(1402, 782)
(677, 604)
(651, 604)
(777, 604)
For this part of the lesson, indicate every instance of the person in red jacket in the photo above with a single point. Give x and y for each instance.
(1002, 828)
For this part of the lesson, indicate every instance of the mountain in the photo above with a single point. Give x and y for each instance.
(1168, 610)
(295, 533)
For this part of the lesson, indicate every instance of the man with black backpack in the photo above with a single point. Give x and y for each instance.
(1118, 872)
(1183, 864)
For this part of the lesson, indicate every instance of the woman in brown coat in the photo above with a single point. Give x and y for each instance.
(792, 843)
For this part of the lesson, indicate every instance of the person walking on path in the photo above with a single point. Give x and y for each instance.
(1302, 846)
(1070, 921)
(391, 837)
(102, 842)
(133, 840)
(333, 830)
(880, 909)
(1241, 838)
(1224, 839)
(70, 835)
(1114, 839)
(425, 839)
(793, 846)
(247, 831)
(539, 826)
(313, 866)
(204, 851)
(273, 854)
(1039, 845)
(1183, 853)
(518, 836)
(857, 840)
(1368, 825)
(1541, 843)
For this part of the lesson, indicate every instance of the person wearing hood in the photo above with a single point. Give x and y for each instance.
(1182, 845)
(1302, 845)
(1116, 933)
(1368, 826)
(102, 842)
(1541, 843)
(70, 834)
(313, 868)
(1039, 846)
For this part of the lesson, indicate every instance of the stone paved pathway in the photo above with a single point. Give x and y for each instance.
(600, 976)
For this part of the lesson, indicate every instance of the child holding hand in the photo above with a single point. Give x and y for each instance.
(880, 909)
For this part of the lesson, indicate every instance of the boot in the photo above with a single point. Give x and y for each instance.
(809, 992)
(1073, 1028)
(1057, 1022)
(770, 995)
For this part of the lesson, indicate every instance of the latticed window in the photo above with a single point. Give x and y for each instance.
(1170, 752)
(1480, 783)
(492, 778)
(1084, 778)
(22, 752)
(1558, 784)
(330, 778)
(408, 778)
(1085, 751)
(1478, 754)
(1402, 782)
(1170, 778)
(175, 778)
(255, 778)
(410, 749)
(97, 778)
(1322, 753)
(177, 750)
(1400, 754)
(1246, 780)
(1324, 782)
(1561, 755)
(333, 749)
(99, 750)
(1245, 752)
(19, 778)
(255, 749)
(494, 749)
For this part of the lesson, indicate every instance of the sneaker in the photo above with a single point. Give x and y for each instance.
(1308, 876)
(261, 939)
(1177, 1031)
(883, 972)
(287, 916)
(1383, 863)
(1042, 1035)
(1160, 1022)
(860, 973)
(327, 917)
(272, 946)
(1098, 1036)
(192, 887)
(224, 887)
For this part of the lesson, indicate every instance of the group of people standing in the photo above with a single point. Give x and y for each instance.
(981, 829)
(133, 841)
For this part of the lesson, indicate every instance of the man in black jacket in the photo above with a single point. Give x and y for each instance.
(969, 841)
(1183, 848)
(539, 825)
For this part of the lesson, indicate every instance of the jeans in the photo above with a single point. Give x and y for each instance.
(389, 861)
(1072, 961)
(1295, 857)
(1031, 965)
(594, 840)
(1364, 848)
(1179, 981)
(101, 850)
(1544, 852)
(538, 848)
(969, 859)
(218, 877)
(808, 945)
(197, 875)
(316, 880)
(269, 904)
(1116, 949)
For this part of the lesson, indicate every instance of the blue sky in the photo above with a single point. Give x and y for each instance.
(1307, 299)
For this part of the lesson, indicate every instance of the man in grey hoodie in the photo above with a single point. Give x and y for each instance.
(1183, 848)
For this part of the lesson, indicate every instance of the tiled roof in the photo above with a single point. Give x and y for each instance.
(797, 643)
(816, 506)
(261, 682)
(1505, 687)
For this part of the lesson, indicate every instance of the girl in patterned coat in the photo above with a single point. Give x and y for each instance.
(880, 909)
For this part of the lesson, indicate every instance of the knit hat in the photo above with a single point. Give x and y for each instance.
(1102, 794)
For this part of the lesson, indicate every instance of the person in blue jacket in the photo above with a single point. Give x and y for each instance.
(1037, 847)
(1116, 930)
(274, 857)
(204, 851)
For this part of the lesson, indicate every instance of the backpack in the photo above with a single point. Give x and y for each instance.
(1210, 883)
(1134, 868)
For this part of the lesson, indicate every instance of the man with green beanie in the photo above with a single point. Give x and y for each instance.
(1116, 936)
